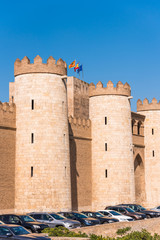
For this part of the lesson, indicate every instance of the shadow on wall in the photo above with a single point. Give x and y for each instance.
(139, 179)
(74, 172)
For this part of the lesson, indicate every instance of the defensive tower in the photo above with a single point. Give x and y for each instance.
(112, 156)
(152, 153)
(42, 140)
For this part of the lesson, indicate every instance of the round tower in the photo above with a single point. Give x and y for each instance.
(151, 111)
(42, 176)
(112, 156)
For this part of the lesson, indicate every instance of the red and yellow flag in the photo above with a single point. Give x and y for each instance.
(72, 65)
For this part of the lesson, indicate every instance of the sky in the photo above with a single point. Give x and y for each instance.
(117, 40)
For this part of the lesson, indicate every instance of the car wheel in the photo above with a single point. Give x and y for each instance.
(148, 216)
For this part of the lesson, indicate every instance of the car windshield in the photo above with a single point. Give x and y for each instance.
(115, 213)
(99, 214)
(80, 215)
(129, 209)
(26, 218)
(19, 230)
(141, 208)
(57, 216)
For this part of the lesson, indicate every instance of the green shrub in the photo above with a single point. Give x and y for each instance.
(122, 231)
(62, 232)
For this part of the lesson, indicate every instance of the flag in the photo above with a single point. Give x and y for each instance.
(72, 65)
(76, 67)
(80, 69)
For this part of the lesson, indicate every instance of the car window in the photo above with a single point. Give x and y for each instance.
(5, 218)
(4, 231)
(121, 210)
(26, 218)
(158, 207)
(45, 217)
(19, 230)
(36, 216)
(13, 219)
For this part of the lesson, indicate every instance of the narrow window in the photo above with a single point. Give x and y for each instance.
(65, 171)
(106, 173)
(32, 104)
(105, 120)
(105, 146)
(62, 106)
(32, 138)
(12, 99)
(152, 131)
(31, 171)
(138, 128)
(153, 153)
(64, 138)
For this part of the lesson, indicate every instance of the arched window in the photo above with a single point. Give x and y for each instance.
(139, 128)
(133, 122)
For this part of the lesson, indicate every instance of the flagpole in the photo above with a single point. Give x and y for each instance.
(82, 73)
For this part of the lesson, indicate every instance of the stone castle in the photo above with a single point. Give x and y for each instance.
(69, 145)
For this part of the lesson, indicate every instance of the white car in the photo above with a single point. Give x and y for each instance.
(117, 215)
(156, 209)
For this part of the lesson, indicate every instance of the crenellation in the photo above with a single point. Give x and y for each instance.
(120, 89)
(24, 66)
(78, 121)
(146, 106)
(7, 114)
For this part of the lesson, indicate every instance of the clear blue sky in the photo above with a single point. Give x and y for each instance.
(114, 39)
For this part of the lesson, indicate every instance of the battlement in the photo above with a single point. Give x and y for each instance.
(146, 106)
(120, 89)
(24, 66)
(7, 114)
(79, 121)
(79, 128)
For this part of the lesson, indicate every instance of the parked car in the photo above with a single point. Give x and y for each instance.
(128, 212)
(103, 219)
(139, 208)
(156, 208)
(54, 220)
(16, 232)
(25, 221)
(117, 215)
(82, 218)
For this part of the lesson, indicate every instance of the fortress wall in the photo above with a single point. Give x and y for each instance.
(78, 98)
(7, 157)
(80, 160)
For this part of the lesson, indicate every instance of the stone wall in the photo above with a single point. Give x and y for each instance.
(80, 161)
(78, 98)
(7, 157)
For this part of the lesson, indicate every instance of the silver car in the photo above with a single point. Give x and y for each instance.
(55, 220)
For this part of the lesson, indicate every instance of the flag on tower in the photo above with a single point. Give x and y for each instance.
(76, 67)
(72, 65)
(80, 68)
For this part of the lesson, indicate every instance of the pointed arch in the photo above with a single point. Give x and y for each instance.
(139, 176)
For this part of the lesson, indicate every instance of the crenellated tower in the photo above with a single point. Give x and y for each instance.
(152, 151)
(112, 155)
(42, 176)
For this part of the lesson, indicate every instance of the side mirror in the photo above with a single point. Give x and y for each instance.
(9, 234)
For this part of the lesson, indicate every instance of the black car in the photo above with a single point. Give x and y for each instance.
(82, 218)
(23, 220)
(16, 232)
(103, 219)
(139, 208)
